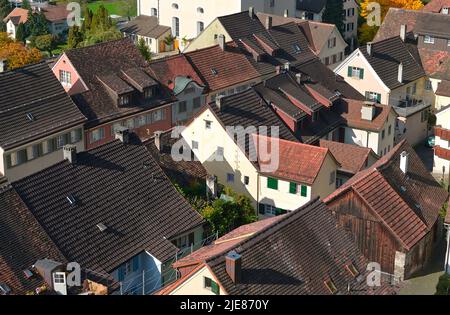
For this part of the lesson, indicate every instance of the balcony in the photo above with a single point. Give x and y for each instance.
(407, 107)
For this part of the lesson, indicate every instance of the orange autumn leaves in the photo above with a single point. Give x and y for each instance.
(16, 54)
(386, 4)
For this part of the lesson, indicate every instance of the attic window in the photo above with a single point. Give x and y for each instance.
(102, 227)
(330, 286)
(352, 269)
(71, 199)
(297, 48)
(124, 100)
(30, 116)
(214, 71)
(200, 10)
(148, 93)
(28, 274)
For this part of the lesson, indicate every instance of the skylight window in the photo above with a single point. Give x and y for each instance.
(30, 116)
(71, 199)
(214, 71)
(297, 48)
(352, 269)
(102, 227)
(330, 286)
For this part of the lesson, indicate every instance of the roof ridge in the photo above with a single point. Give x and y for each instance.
(274, 226)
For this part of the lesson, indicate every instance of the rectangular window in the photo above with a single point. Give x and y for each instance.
(303, 191)
(428, 39)
(194, 145)
(61, 140)
(355, 72)
(207, 124)
(230, 178)
(51, 145)
(21, 156)
(272, 183)
(75, 135)
(148, 93)
(97, 135)
(389, 129)
(200, 27)
(158, 115)
(382, 134)
(124, 100)
(246, 180)
(428, 85)
(197, 102)
(65, 77)
(424, 115)
(373, 96)
(59, 278)
(8, 160)
(182, 107)
(332, 178)
(35, 151)
(176, 26)
(292, 188)
(140, 121)
(219, 152)
(270, 210)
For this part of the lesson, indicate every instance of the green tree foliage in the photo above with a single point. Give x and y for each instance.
(224, 216)
(26, 5)
(37, 24)
(45, 43)
(5, 9)
(75, 37)
(366, 33)
(21, 33)
(334, 14)
(143, 48)
(87, 22)
(443, 286)
(101, 19)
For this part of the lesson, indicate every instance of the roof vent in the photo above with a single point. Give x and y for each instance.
(298, 77)
(102, 227)
(30, 116)
(233, 265)
(27, 273)
(287, 66)
(214, 71)
(404, 161)
(71, 199)
(297, 48)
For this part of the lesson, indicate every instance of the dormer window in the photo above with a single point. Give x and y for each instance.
(428, 39)
(445, 10)
(148, 93)
(124, 100)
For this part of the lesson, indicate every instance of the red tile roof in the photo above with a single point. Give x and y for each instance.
(17, 12)
(436, 6)
(407, 204)
(393, 20)
(55, 13)
(167, 69)
(436, 63)
(298, 162)
(352, 158)
(225, 242)
(443, 88)
(231, 65)
(350, 110)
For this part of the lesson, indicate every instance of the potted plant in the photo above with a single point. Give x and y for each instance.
(169, 40)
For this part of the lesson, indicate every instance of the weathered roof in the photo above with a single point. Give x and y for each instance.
(222, 68)
(297, 162)
(433, 24)
(436, 63)
(144, 25)
(22, 242)
(119, 185)
(394, 18)
(34, 90)
(408, 204)
(54, 13)
(436, 6)
(17, 15)
(111, 59)
(388, 54)
(350, 110)
(280, 260)
(352, 158)
(443, 88)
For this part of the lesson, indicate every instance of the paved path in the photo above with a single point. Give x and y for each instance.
(424, 283)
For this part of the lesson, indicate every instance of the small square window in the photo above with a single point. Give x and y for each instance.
(230, 178)
(330, 286)
(246, 180)
(194, 145)
(208, 124)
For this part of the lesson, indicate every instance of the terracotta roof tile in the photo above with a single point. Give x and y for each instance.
(352, 158)
(22, 15)
(436, 6)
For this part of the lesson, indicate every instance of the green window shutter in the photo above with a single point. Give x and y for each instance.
(293, 188)
(378, 97)
(215, 287)
(361, 74)
(349, 71)
(303, 191)
(272, 183)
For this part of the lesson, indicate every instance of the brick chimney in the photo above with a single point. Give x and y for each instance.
(233, 266)
(70, 153)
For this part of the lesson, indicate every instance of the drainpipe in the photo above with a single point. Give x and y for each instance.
(447, 252)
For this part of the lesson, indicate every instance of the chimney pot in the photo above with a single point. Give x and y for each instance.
(221, 39)
(369, 48)
(220, 102)
(286, 13)
(404, 161)
(403, 28)
(70, 153)
(251, 12)
(158, 141)
(368, 110)
(233, 265)
(268, 22)
(400, 72)
(123, 134)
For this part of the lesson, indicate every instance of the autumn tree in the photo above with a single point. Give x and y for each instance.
(45, 43)
(16, 54)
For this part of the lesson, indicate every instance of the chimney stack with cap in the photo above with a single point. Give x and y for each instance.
(404, 161)
(158, 140)
(123, 134)
(251, 12)
(268, 22)
(70, 153)
(221, 40)
(220, 102)
(233, 266)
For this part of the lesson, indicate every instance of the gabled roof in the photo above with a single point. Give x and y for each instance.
(436, 6)
(443, 88)
(350, 110)
(145, 25)
(248, 109)
(219, 68)
(280, 260)
(407, 204)
(388, 54)
(34, 90)
(240, 25)
(17, 15)
(297, 162)
(352, 158)
(315, 6)
(22, 242)
(55, 13)
(117, 59)
(166, 70)
(436, 63)
(433, 24)
(116, 184)
(394, 18)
